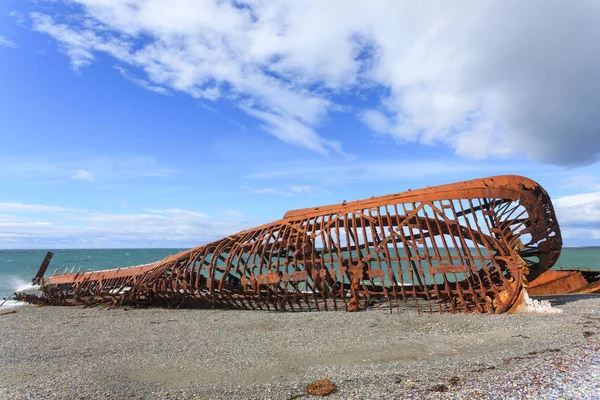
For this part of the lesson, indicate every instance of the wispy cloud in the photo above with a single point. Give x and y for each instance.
(35, 225)
(110, 168)
(7, 43)
(83, 175)
(144, 84)
(33, 208)
(289, 190)
(380, 170)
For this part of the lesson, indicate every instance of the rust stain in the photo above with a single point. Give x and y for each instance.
(565, 282)
(465, 247)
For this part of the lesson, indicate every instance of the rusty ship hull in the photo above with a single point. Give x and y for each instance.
(464, 247)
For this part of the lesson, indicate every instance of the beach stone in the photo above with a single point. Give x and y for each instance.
(322, 387)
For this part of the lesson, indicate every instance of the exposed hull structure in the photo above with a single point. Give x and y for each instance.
(464, 247)
(565, 281)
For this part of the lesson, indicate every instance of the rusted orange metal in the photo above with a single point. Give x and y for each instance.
(464, 247)
(565, 282)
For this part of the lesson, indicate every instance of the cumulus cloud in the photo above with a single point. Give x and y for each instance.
(7, 43)
(581, 210)
(83, 175)
(488, 79)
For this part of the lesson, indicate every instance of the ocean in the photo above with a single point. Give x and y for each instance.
(18, 267)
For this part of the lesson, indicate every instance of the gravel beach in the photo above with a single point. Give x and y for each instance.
(97, 353)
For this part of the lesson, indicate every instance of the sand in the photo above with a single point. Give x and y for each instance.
(77, 353)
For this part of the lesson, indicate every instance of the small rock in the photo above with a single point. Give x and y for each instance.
(322, 387)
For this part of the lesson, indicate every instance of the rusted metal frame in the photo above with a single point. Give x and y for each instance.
(442, 231)
(508, 201)
(485, 266)
(258, 276)
(343, 268)
(309, 265)
(365, 261)
(225, 292)
(300, 261)
(409, 256)
(504, 220)
(347, 261)
(499, 263)
(468, 260)
(484, 259)
(319, 281)
(211, 281)
(399, 271)
(203, 290)
(490, 224)
(470, 275)
(285, 229)
(226, 287)
(507, 251)
(251, 262)
(514, 234)
(187, 274)
(376, 237)
(518, 223)
(426, 256)
(356, 285)
(439, 257)
(399, 228)
(314, 272)
(415, 244)
(327, 248)
(278, 241)
(169, 280)
(299, 248)
(462, 260)
(298, 296)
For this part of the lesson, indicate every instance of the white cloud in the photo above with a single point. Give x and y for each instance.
(579, 210)
(34, 225)
(488, 79)
(144, 84)
(381, 170)
(7, 43)
(32, 208)
(83, 175)
(116, 167)
(300, 188)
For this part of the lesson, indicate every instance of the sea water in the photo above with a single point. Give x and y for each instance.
(18, 267)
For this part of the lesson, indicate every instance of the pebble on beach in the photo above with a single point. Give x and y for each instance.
(96, 353)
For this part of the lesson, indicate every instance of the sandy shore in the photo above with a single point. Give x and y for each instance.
(76, 353)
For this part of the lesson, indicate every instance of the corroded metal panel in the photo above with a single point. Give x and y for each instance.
(565, 282)
(463, 247)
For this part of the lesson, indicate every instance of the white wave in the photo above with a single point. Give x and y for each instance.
(11, 304)
(21, 285)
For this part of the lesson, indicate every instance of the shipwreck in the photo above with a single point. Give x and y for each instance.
(471, 246)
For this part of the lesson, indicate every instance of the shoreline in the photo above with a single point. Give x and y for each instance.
(72, 352)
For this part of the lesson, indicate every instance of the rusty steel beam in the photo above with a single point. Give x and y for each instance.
(464, 247)
(43, 267)
(565, 281)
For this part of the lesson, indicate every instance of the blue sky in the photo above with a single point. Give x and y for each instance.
(170, 124)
